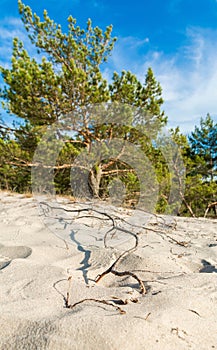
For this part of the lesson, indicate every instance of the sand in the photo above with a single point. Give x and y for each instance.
(176, 259)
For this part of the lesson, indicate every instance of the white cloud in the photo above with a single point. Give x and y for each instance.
(10, 28)
(188, 77)
(193, 81)
(126, 53)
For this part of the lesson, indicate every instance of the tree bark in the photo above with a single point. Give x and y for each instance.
(95, 179)
(211, 205)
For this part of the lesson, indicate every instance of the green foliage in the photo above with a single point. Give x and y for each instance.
(199, 190)
(126, 88)
(14, 175)
(204, 144)
(67, 77)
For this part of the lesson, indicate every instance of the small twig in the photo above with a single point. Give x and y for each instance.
(143, 318)
(121, 311)
(146, 317)
(67, 246)
(66, 299)
(156, 292)
(195, 312)
(209, 207)
(182, 243)
(68, 292)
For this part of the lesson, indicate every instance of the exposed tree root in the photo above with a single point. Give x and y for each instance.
(105, 302)
(115, 225)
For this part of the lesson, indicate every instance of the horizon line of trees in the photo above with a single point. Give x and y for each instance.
(66, 78)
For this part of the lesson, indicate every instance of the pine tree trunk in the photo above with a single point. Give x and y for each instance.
(94, 180)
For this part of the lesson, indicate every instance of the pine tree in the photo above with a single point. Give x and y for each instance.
(203, 142)
(66, 80)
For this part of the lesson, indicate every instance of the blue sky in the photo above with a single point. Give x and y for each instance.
(177, 38)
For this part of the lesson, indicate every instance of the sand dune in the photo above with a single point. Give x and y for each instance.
(176, 259)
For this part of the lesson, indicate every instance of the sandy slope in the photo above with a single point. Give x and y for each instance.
(178, 311)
